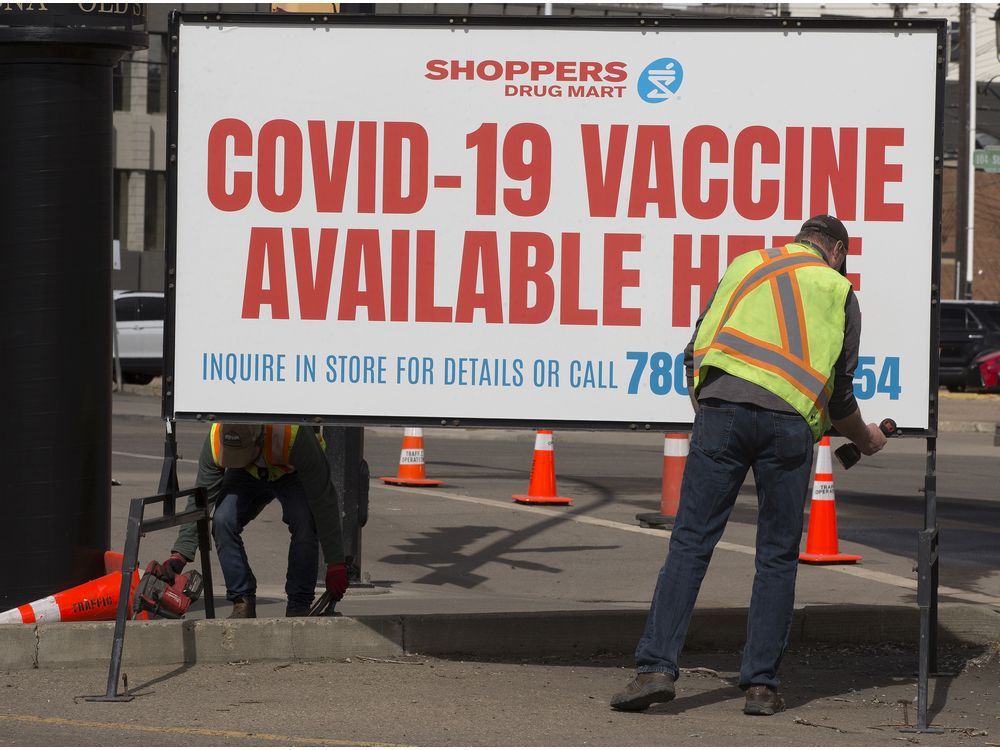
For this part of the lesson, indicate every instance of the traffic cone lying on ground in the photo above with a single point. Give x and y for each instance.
(93, 600)
(675, 451)
(411, 462)
(542, 485)
(821, 543)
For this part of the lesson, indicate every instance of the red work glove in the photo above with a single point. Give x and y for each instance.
(170, 567)
(336, 580)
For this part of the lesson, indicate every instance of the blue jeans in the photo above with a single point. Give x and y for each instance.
(241, 499)
(728, 439)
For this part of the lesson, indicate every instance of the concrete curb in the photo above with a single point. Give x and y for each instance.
(519, 635)
(956, 426)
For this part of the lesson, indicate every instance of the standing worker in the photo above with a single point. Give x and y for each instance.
(244, 467)
(770, 367)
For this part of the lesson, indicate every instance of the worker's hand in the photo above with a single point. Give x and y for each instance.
(336, 580)
(876, 440)
(170, 567)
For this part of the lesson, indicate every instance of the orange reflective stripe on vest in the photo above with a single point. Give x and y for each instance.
(216, 439)
(278, 445)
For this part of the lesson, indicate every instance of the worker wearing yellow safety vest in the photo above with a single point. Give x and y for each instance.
(770, 368)
(244, 467)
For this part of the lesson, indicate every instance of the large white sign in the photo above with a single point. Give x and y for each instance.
(490, 223)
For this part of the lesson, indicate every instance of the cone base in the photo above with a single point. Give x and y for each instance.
(541, 500)
(815, 558)
(407, 482)
(654, 520)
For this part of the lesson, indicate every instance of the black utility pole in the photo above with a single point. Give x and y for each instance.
(56, 140)
(967, 48)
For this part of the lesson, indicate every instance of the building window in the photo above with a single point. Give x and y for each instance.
(120, 206)
(156, 99)
(121, 86)
(156, 211)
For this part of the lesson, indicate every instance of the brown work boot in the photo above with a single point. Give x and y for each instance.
(763, 701)
(244, 607)
(643, 691)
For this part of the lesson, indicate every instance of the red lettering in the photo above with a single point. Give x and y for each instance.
(393, 200)
(330, 175)
(437, 70)
(566, 71)
(737, 244)
(687, 276)
(590, 71)
(426, 310)
(878, 173)
(366, 167)
(743, 173)
(267, 178)
(570, 312)
(537, 169)
(516, 68)
(541, 68)
(604, 179)
(617, 277)
(855, 244)
(718, 148)
(399, 276)
(218, 140)
(362, 246)
(652, 153)
(828, 173)
(524, 273)
(794, 158)
(266, 247)
(314, 288)
(615, 72)
(479, 251)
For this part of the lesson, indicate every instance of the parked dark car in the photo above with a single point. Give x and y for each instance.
(970, 334)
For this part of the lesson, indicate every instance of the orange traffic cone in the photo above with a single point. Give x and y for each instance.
(113, 561)
(93, 600)
(411, 461)
(675, 451)
(821, 543)
(542, 485)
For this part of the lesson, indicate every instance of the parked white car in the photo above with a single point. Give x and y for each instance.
(139, 317)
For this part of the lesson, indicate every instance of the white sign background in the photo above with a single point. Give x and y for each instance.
(732, 79)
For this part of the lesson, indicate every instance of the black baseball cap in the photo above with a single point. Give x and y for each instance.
(833, 228)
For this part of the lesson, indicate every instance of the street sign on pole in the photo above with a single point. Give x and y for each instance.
(987, 159)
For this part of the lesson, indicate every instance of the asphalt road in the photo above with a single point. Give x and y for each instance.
(611, 477)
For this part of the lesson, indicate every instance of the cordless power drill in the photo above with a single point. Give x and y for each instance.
(849, 454)
(169, 599)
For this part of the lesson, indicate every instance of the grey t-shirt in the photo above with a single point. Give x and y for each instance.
(721, 385)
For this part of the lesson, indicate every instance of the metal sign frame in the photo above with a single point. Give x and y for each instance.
(927, 546)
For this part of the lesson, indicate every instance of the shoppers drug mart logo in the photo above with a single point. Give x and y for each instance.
(660, 80)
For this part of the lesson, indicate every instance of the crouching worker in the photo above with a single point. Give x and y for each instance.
(244, 467)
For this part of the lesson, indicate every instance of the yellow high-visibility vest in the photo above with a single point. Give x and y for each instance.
(777, 320)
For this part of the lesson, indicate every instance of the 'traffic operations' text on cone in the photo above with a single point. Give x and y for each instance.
(542, 485)
(411, 462)
(93, 600)
(822, 546)
(675, 451)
